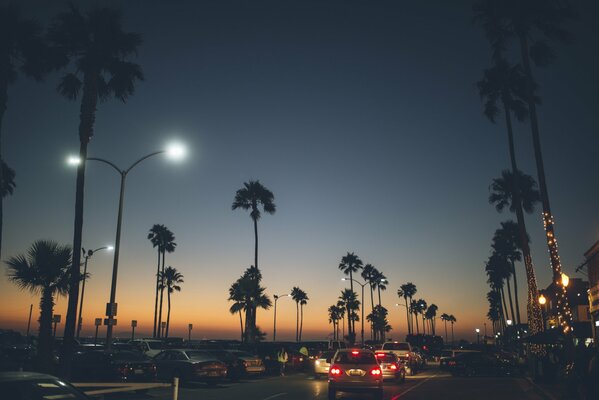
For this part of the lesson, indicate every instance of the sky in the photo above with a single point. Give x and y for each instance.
(361, 117)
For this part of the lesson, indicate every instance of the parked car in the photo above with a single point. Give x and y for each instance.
(355, 370)
(391, 366)
(404, 351)
(252, 364)
(190, 365)
(322, 363)
(447, 355)
(235, 367)
(114, 366)
(150, 347)
(477, 363)
(34, 386)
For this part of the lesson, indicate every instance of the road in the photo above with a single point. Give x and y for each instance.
(429, 384)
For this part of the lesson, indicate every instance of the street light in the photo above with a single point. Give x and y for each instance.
(173, 151)
(542, 302)
(274, 328)
(87, 257)
(477, 335)
(362, 307)
(565, 279)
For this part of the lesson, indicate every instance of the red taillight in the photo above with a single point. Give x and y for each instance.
(335, 370)
(393, 367)
(375, 371)
(379, 354)
(355, 352)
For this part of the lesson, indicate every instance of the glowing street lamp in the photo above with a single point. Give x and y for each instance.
(542, 300)
(477, 335)
(174, 151)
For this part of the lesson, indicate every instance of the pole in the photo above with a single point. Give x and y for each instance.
(115, 265)
(29, 321)
(80, 320)
(362, 313)
(96, 337)
(274, 328)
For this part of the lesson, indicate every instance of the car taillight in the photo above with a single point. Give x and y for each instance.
(393, 367)
(379, 354)
(355, 352)
(335, 370)
(375, 371)
(451, 363)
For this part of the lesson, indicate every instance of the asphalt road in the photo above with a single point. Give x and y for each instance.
(429, 384)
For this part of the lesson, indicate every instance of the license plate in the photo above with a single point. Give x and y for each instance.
(355, 372)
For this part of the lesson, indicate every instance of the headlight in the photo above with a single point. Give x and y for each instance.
(317, 362)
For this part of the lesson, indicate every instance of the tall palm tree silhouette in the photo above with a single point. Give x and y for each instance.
(452, 320)
(303, 302)
(445, 319)
(349, 300)
(164, 239)
(171, 279)
(44, 270)
(22, 50)
(349, 264)
(532, 24)
(296, 296)
(96, 47)
(236, 296)
(251, 197)
(407, 291)
(156, 237)
(251, 297)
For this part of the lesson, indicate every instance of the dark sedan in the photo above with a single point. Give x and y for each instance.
(34, 386)
(190, 365)
(235, 366)
(476, 363)
(115, 366)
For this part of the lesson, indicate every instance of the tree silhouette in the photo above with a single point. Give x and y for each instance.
(407, 291)
(170, 278)
(44, 270)
(22, 50)
(349, 300)
(250, 295)
(349, 264)
(236, 295)
(163, 240)
(445, 319)
(251, 197)
(96, 48)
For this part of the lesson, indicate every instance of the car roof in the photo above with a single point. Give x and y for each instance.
(23, 376)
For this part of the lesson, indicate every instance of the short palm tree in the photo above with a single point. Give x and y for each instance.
(44, 270)
(452, 320)
(301, 299)
(171, 279)
(96, 48)
(407, 291)
(421, 309)
(349, 264)
(380, 280)
(252, 297)
(236, 296)
(349, 300)
(334, 317)
(21, 50)
(164, 240)
(250, 197)
(445, 319)
(431, 315)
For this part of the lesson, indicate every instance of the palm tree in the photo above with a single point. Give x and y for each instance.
(166, 244)
(252, 297)
(431, 314)
(96, 47)
(334, 318)
(21, 50)
(236, 295)
(296, 295)
(506, 243)
(8, 182)
(379, 280)
(350, 301)
(414, 310)
(368, 276)
(349, 264)
(452, 320)
(445, 319)
(251, 197)
(171, 279)
(341, 311)
(497, 270)
(303, 302)
(378, 318)
(532, 23)
(157, 236)
(407, 291)
(421, 309)
(44, 270)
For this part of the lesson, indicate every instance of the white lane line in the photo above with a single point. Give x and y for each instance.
(397, 396)
(274, 396)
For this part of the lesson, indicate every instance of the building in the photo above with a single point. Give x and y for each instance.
(578, 299)
(592, 262)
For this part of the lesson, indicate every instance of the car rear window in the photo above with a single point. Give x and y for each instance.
(386, 357)
(397, 346)
(353, 358)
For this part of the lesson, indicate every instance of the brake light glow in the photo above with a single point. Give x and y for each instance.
(335, 370)
(379, 354)
(393, 367)
(355, 352)
(375, 371)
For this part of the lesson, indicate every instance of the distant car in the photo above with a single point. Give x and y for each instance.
(481, 364)
(447, 355)
(405, 353)
(150, 347)
(190, 365)
(355, 370)
(252, 364)
(322, 363)
(391, 366)
(114, 366)
(34, 386)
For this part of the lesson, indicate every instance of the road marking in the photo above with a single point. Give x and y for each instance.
(274, 396)
(397, 396)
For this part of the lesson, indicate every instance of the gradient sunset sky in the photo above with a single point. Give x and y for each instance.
(361, 117)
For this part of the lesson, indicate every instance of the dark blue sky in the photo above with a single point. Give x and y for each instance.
(362, 118)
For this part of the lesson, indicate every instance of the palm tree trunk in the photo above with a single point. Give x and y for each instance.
(516, 293)
(452, 334)
(562, 298)
(297, 321)
(371, 308)
(156, 297)
(343, 327)
(255, 242)
(301, 322)
(509, 295)
(533, 309)
(87, 117)
(504, 311)
(408, 316)
(3, 102)
(417, 326)
(241, 325)
(168, 312)
(44, 349)
(379, 290)
(445, 331)
(161, 296)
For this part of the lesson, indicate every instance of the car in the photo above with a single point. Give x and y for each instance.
(322, 363)
(235, 367)
(391, 366)
(150, 347)
(190, 365)
(405, 353)
(355, 370)
(34, 386)
(447, 355)
(252, 364)
(113, 366)
(481, 364)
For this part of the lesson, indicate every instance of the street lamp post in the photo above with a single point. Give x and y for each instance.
(406, 307)
(362, 306)
(542, 302)
(477, 336)
(111, 307)
(274, 328)
(87, 257)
